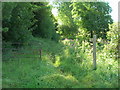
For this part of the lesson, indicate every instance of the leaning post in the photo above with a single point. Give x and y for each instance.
(94, 52)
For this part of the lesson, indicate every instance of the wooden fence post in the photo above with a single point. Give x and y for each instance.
(94, 52)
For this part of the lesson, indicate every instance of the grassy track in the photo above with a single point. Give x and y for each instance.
(61, 67)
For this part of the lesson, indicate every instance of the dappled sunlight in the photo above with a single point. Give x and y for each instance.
(58, 79)
(66, 52)
(58, 76)
(59, 45)
(71, 78)
(57, 62)
(45, 57)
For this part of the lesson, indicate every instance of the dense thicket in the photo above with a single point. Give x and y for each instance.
(45, 25)
(21, 21)
(16, 22)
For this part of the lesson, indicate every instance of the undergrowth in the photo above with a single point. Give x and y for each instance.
(62, 65)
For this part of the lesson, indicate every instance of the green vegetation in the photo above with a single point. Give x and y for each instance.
(71, 69)
(39, 52)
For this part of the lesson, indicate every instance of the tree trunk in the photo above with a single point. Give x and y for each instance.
(91, 33)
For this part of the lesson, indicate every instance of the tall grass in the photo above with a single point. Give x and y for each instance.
(61, 66)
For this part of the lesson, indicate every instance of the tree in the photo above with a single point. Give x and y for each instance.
(17, 20)
(44, 26)
(7, 11)
(68, 27)
(94, 16)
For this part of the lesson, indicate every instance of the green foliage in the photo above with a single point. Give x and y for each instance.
(17, 26)
(7, 10)
(94, 16)
(82, 35)
(68, 27)
(113, 34)
(113, 43)
(64, 64)
(75, 68)
(45, 26)
(21, 20)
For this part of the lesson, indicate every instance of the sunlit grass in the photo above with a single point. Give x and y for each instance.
(57, 62)
(73, 68)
